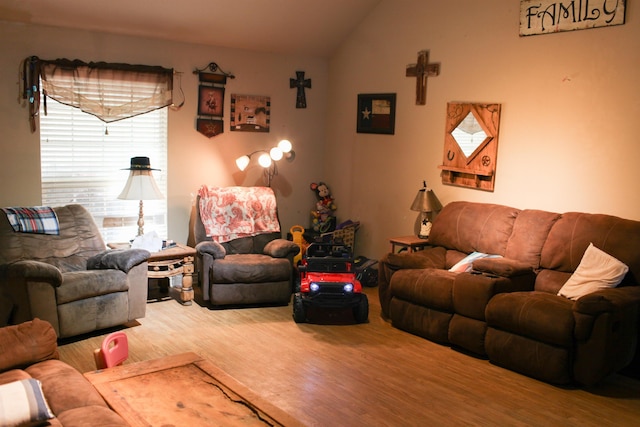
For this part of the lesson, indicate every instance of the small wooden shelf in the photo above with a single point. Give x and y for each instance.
(467, 171)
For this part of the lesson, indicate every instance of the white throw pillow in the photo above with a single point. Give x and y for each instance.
(597, 270)
(466, 264)
(23, 402)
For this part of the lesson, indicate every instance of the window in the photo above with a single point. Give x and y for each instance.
(83, 161)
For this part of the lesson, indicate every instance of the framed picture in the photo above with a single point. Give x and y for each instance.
(209, 127)
(250, 113)
(376, 113)
(210, 101)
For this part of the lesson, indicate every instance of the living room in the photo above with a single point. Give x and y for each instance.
(567, 131)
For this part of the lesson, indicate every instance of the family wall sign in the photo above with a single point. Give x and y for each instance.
(552, 16)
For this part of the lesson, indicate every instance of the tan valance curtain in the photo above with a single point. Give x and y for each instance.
(109, 91)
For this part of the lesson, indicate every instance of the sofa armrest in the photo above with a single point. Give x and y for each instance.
(214, 249)
(119, 259)
(607, 300)
(34, 270)
(503, 267)
(281, 248)
(27, 343)
(429, 257)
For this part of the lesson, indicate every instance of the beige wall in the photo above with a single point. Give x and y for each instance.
(568, 132)
(568, 138)
(192, 159)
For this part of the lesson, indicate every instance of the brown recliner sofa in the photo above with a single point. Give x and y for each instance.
(70, 280)
(507, 308)
(29, 350)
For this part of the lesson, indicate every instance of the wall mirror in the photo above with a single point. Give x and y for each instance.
(471, 145)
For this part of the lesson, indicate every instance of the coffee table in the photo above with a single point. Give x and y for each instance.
(183, 390)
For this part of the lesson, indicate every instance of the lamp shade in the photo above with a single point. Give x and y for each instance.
(426, 201)
(242, 162)
(140, 186)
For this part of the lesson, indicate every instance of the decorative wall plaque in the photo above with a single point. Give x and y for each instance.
(552, 16)
(211, 99)
(471, 145)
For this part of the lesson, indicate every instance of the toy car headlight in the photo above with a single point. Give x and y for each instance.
(348, 287)
(314, 287)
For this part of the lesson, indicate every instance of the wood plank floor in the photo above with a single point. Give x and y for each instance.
(333, 373)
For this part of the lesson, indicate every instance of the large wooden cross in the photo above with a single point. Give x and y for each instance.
(421, 71)
(300, 82)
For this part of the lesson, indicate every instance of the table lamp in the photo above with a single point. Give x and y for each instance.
(426, 204)
(140, 186)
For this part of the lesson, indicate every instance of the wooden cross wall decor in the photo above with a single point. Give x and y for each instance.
(421, 71)
(300, 83)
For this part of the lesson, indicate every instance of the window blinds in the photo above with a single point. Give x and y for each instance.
(83, 161)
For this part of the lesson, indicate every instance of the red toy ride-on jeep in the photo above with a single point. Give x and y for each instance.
(328, 280)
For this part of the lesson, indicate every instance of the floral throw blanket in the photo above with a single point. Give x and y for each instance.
(229, 213)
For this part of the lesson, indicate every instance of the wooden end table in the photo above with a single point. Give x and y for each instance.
(410, 243)
(172, 262)
(183, 390)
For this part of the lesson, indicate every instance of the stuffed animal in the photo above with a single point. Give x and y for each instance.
(322, 218)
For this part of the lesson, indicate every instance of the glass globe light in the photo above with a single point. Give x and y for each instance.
(285, 145)
(276, 153)
(264, 160)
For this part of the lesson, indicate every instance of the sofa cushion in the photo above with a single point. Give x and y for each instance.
(540, 316)
(469, 227)
(64, 386)
(79, 285)
(250, 268)
(530, 231)
(571, 235)
(281, 248)
(13, 375)
(428, 287)
(431, 257)
(466, 264)
(597, 270)
(27, 343)
(23, 402)
(79, 239)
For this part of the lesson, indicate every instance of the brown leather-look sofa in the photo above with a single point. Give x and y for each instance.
(507, 308)
(70, 279)
(29, 350)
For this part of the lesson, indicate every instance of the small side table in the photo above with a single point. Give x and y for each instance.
(171, 262)
(168, 263)
(410, 243)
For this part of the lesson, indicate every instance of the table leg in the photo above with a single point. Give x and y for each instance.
(186, 292)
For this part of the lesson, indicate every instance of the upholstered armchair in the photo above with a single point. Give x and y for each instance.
(242, 259)
(69, 279)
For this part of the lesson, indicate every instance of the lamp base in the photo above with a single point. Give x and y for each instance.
(140, 220)
(422, 227)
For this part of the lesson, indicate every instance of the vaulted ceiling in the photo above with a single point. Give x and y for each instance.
(308, 27)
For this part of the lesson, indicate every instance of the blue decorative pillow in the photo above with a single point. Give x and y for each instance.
(23, 402)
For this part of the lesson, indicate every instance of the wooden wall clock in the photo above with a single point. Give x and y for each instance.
(471, 145)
